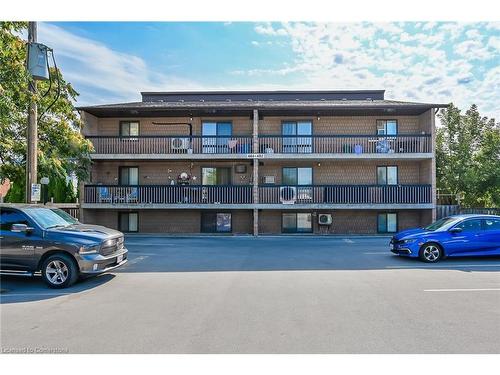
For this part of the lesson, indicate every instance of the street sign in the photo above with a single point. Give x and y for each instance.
(36, 190)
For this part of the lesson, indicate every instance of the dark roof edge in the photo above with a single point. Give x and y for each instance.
(235, 107)
(216, 92)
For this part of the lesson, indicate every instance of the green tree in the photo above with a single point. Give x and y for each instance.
(468, 156)
(62, 150)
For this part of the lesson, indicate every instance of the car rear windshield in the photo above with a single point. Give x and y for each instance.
(440, 223)
(47, 218)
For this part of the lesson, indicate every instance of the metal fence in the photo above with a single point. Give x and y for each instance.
(448, 210)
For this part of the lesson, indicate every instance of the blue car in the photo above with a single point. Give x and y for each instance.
(452, 236)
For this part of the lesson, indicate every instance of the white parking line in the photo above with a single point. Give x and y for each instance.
(380, 252)
(348, 240)
(463, 290)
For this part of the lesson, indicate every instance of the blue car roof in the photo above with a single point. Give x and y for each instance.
(465, 216)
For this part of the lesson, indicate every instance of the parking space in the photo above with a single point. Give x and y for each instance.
(262, 295)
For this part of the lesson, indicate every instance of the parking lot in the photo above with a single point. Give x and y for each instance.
(261, 295)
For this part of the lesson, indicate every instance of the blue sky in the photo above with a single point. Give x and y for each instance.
(424, 61)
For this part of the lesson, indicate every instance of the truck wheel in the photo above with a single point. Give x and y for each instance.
(59, 271)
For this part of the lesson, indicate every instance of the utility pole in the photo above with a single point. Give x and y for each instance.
(32, 130)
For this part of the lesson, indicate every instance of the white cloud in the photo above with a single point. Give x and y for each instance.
(494, 43)
(90, 64)
(410, 66)
(268, 29)
(473, 50)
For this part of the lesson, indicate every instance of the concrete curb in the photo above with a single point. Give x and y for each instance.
(187, 236)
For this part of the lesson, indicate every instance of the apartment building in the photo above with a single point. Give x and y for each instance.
(261, 162)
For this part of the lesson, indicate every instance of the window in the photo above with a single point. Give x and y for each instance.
(128, 221)
(9, 217)
(387, 175)
(472, 225)
(129, 176)
(216, 222)
(492, 224)
(297, 176)
(216, 136)
(129, 128)
(296, 222)
(297, 136)
(387, 223)
(387, 127)
(215, 176)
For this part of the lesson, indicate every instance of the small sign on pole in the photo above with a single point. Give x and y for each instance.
(36, 190)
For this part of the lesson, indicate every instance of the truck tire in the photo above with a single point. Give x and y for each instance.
(59, 271)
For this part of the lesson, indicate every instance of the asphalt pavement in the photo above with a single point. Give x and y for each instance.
(261, 295)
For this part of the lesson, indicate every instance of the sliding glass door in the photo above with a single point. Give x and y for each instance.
(297, 137)
(216, 136)
(300, 180)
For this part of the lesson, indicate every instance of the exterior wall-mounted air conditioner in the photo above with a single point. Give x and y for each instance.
(269, 179)
(325, 219)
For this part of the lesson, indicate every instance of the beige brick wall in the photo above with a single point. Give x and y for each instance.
(344, 221)
(162, 172)
(169, 221)
(110, 126)
(344, 172)
(327, 172)
(363, 125)
(425, 172)
(267, 126)
(189, 221)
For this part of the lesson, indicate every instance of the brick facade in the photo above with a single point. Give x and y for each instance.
(170, 221)
(344, 221)
(415, 120)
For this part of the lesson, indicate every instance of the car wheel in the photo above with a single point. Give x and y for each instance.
(430, 253)
(59, 271)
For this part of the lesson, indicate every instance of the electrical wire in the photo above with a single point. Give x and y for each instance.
(50, 77)
(50, 84)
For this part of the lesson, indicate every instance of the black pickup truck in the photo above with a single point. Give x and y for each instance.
(38, 238)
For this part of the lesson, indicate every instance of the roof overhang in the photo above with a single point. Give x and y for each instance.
(197, 110)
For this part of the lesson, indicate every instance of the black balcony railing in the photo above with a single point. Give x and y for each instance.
(345, 194)
(345, 144)
(169, 194)
(243, 194)
(268, 144)
(157, 144)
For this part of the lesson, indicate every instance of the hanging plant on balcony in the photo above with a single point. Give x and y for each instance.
(183, 179)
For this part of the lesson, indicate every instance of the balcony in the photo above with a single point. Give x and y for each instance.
(172, 195)
(345, 146)
(273, 197)
(175, 147)
(345, 194)
(270, 146)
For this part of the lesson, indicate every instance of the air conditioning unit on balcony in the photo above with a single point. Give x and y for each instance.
(180, 143)
(269, 180)
(288, 194)
(325, 219)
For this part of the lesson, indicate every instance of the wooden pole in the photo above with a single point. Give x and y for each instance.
(32, 131)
